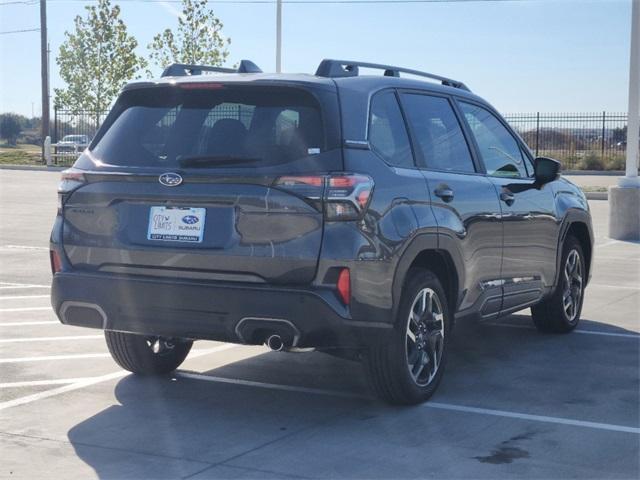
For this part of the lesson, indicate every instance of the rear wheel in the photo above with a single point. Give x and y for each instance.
(147, 355)
(560, 313)
(408, 369)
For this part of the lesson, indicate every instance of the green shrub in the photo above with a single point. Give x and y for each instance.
(591, 161)
(617, 162)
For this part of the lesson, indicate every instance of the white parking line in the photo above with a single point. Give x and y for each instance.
(26, 324)
(94, 380)
(42, 383)
(73, 356)
(21, 297)
(14, 287)
(272, 386)
(534, 418)
(441, 406)
(25, 285)
(49, 358)
(623, 287)
(26, 309)
(50, 339)
(587, 332)
(23, 247)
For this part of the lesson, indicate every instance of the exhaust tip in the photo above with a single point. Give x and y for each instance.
(275, 343)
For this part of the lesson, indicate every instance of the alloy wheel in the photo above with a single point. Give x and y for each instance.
(425, 337)
(572, 292)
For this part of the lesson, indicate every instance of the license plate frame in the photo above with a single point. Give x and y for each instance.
(176, 224)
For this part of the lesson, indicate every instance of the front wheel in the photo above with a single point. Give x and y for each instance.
(147, 355)
(560, 313)
(408, 369)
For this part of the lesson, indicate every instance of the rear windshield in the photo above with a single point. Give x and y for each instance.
(216, 126)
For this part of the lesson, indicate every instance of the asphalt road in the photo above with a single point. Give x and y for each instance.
(513, 403)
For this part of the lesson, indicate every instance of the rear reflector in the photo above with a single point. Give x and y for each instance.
(344, 286)
(56, 261)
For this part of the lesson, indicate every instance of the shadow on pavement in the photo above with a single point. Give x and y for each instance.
(193, 425)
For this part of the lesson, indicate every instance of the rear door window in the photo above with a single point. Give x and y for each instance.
(172, 127)
(437, 132)
(387, 132)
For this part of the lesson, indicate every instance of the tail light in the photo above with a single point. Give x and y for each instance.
(344, 286)
(56, 261)
(69, 181)
(346, 196)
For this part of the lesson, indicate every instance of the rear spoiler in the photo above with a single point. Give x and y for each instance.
(183, 69)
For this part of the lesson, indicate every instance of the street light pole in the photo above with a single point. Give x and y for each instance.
(278, 36)
(624, 199)
(44, 70)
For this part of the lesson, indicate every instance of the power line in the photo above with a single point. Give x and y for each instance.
(20, 31)
(290, 2)
(20, 2)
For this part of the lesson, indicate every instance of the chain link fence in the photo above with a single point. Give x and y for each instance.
(581, 141)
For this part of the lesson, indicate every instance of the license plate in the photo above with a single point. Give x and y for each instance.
(176, 224)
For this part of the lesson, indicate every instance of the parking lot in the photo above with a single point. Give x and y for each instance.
(513, 402)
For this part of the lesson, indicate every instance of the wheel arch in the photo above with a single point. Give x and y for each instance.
(425, 252)
(576, 223)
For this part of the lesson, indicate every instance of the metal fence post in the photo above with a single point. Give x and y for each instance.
(55, 124)
(604, 127)
(537, 132)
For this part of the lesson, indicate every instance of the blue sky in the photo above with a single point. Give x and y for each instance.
(531, 55)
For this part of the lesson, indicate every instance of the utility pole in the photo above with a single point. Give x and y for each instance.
(44, 69)
(278, 36)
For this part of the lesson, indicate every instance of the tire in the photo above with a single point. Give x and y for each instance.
(136, 352)
(560, 313)
(388, 366)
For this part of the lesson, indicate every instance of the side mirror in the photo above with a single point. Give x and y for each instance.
(546, 170)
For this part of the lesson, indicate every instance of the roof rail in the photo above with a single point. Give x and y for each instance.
(183, 69)
(347, 68)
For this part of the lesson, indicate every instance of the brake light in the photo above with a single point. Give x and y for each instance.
(201, 86)
(56, 261)
(346, 196)
(70, 180)
(344, 286)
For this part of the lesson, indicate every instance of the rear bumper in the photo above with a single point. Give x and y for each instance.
(238, 313)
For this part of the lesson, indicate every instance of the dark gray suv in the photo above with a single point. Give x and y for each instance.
(360, 215)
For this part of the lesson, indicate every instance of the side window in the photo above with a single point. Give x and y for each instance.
(387, 133)
(499, 149)
(527, 162)
(437, 133)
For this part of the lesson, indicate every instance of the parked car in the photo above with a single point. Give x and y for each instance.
(359, 215)
(73, 143)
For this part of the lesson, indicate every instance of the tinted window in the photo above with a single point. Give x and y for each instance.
(437, 133)
(387, 133)
(499, 149)
(220, 127)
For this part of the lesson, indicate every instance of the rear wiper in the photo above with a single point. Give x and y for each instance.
(214, 160)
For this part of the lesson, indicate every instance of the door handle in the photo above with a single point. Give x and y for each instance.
(444, 192)
(507, 197)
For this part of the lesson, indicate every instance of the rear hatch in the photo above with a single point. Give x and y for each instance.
(205, 180)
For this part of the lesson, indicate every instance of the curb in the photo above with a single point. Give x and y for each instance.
(601, 173)
(596, 195)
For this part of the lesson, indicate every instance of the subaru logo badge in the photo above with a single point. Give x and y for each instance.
(170, 179)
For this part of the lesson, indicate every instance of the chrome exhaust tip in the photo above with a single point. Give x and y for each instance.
(275, 343)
